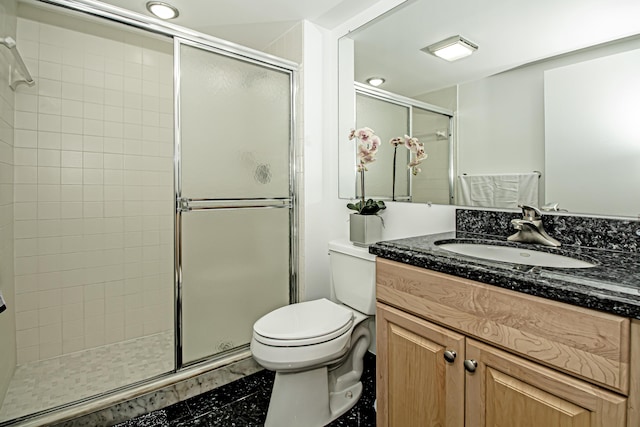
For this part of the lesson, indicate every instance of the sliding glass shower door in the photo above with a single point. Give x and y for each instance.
(234, 197)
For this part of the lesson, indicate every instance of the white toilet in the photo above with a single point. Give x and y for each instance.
(317, 347)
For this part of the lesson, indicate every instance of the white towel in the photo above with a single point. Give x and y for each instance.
(499, 190)
(528, 189)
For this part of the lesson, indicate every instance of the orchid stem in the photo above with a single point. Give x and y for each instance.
(362, 186)
(393, 181)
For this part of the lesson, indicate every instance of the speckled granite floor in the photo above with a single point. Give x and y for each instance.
(244, 403)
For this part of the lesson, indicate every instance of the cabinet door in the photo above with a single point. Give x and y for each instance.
(507, 391)
(416, 385)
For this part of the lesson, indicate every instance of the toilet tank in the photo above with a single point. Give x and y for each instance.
(353, 275)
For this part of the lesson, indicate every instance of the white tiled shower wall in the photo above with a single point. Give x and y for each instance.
(93, 176)
(7, 318)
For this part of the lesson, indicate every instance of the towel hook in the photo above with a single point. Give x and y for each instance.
(10, 44)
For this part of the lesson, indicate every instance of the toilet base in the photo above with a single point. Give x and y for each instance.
(302, 399)
(342, 401)
(316, 397)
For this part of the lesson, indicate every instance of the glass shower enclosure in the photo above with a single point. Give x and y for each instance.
(153, 199)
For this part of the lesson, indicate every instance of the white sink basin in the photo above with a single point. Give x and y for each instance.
(515, 255)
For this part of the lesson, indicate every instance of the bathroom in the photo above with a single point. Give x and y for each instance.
(46, 315)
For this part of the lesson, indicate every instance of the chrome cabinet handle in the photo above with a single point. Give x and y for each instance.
(450, 356)
(470, 365)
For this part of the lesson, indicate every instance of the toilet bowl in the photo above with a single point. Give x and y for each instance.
(317, 347)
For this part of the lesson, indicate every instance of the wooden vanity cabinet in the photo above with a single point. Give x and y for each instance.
(507, 390)
(452, 352)
(416, 385)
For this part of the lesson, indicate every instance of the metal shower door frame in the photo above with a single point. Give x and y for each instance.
(183, 205)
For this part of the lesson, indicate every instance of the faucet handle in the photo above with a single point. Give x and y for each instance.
(551, 206)
(530, 212)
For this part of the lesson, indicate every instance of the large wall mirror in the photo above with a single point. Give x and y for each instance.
(545, 111)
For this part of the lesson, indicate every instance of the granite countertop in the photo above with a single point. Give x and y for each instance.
(612, 286)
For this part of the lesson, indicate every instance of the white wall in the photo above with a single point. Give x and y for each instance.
(7, 100)
(591, 111)
(93, 186)
(317, 211)
(501, 118)
(326, 215)
(501, 124)
(416, 219)
(445, 98)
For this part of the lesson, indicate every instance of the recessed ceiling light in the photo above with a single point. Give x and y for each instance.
(451, 49)
(375, 81)
(162, 10)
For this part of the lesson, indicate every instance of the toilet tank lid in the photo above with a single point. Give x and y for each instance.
(348, 248)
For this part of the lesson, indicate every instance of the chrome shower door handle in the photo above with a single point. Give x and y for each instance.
(183, 204)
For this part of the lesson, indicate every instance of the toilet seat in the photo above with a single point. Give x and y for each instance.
(303, 324)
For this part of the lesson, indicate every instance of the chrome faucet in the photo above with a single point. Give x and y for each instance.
(530, 229)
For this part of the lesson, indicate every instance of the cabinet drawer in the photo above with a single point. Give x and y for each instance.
(583, 342)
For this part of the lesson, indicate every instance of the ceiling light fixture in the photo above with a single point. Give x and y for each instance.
(451, 49)
(375, 81)
(162, 10)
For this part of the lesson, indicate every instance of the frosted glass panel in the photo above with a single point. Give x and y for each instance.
(235, 269)
(235, 127)
(432, 183)
(388, 120)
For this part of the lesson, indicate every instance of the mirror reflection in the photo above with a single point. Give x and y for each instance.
(555, 105)
(390, 176)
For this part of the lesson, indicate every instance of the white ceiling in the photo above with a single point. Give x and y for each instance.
(253, 23)
(509, 33)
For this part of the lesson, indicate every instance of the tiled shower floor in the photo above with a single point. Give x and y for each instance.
(244, 403)
(44, 384)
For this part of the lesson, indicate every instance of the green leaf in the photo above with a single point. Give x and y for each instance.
(370, 207)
